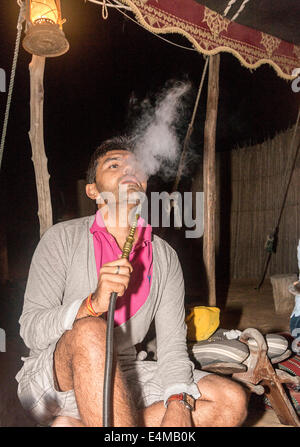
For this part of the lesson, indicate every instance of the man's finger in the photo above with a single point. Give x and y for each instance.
(120, 262)
(116, 269)
(119, 288)
(110, 277)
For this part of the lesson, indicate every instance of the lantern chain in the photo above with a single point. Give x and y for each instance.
(12, 76)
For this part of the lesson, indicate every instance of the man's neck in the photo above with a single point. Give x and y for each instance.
(117, 223)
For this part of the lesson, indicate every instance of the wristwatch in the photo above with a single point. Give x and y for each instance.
(185, 398)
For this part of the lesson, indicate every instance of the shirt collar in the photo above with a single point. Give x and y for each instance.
(144, 229)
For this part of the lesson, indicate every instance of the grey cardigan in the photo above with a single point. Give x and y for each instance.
(63, 273)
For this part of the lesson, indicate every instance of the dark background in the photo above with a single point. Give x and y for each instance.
(87, 93)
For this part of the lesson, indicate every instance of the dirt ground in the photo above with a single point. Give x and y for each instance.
(245, 307)
(248, 307)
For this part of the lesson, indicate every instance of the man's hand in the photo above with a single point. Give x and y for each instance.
(113, 277)
(177, 415)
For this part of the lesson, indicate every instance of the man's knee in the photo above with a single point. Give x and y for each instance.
(235, 402)
(237, 399)
(88, 326)
(230, 398)
(87, 334)
(86, 329)
(85, 340)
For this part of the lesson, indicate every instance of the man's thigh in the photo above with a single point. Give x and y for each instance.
(62, 365)
(87, 334)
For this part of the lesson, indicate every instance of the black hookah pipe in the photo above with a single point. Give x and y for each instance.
(107, 395)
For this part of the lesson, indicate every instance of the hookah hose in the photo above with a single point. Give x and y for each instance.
(107, 395)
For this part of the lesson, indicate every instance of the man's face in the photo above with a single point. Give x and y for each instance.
(119, 169)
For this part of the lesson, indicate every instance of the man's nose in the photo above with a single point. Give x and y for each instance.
(129, 169)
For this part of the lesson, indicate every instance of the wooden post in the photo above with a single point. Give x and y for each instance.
(36, 135)
(209, 177)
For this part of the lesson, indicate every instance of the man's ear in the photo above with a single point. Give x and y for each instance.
(91, 191)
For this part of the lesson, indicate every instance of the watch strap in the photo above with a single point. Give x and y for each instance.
(185, 398)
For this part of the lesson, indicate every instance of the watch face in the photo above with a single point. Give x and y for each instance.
(189, 400)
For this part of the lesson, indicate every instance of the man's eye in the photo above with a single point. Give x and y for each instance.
(114, 166)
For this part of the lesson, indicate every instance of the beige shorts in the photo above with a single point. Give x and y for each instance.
(39, 397)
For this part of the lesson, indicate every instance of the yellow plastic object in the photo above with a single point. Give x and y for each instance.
(202, 322)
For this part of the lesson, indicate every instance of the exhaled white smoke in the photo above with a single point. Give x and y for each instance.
(155, 137)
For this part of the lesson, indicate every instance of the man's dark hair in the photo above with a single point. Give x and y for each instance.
(117, 143)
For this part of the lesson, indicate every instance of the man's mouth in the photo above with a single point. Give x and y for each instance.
(130, 181)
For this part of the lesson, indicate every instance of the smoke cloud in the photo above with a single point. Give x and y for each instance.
(158, 130)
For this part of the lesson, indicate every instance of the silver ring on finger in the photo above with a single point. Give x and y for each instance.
(118, 270)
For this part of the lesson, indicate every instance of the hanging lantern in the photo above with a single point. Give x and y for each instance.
(44, 34)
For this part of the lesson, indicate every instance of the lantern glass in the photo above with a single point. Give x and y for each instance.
(42, 11)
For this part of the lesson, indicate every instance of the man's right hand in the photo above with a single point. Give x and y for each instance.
(113, 277)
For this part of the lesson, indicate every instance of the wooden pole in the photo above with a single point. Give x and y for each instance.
(36, 135)
(209, 177)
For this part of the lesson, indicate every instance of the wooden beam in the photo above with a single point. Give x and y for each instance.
(36, 135)
(209, 177)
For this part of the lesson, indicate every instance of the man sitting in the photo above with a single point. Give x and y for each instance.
(74, 270)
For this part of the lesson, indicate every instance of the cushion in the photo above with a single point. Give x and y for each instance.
(218, 348)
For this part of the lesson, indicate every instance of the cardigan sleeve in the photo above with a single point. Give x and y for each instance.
(44, 317)
(175, 367)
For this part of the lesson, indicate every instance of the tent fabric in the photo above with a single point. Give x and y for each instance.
(211, 33)
(276, 17)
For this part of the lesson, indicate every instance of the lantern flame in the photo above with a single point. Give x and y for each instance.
(44, 11)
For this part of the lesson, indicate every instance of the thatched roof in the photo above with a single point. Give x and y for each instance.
(276, 17)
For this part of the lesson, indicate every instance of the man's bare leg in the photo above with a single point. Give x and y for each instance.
(67, 421)
(79, 361)
(223, 404)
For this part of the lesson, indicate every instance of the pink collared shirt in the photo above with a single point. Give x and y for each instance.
(106, 250)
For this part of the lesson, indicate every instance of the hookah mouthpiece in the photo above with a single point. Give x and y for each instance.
(130, 238)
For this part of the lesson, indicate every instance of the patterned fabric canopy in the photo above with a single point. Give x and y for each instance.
(211, 33)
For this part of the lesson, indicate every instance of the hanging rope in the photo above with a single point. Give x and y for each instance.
(230, 4)
(240, 10)
(190, 130)
(104, 10)
(12, 76)
(108, 4)
(270, 245)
